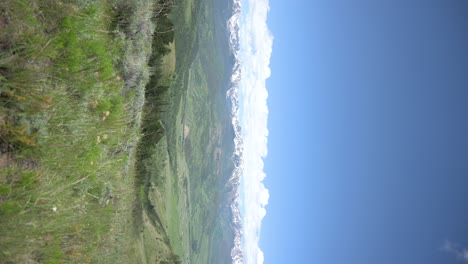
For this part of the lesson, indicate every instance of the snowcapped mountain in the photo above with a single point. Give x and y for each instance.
(232, 94)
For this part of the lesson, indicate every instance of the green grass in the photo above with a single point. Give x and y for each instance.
(72, 80)
(61, 91)
(94, 98)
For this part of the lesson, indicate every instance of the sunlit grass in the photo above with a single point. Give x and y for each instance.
(72, 88)
(68, 123)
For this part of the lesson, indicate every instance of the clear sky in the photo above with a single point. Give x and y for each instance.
(367, 116)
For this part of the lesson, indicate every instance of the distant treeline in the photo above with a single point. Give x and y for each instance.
(156, 101)
(159, 84)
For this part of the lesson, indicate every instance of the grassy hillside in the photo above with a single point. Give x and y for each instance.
(188, 142)
(115, 136)
(72, 88)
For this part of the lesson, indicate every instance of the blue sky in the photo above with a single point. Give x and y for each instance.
(363, 153)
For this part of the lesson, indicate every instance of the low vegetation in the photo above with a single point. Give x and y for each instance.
(72, 89)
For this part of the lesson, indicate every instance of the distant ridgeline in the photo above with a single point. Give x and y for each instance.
(233, 27)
